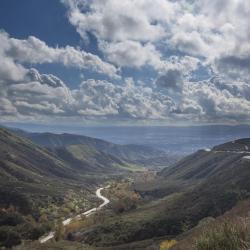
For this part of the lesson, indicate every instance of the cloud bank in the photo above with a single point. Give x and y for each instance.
(14, 52)
(180, 41)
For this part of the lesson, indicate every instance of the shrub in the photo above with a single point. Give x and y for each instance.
(228, 236)
(60, 231)
(8, 219)
(9, 238)
(37, 232)
(167, 244)
(125, 202)
(75, 225)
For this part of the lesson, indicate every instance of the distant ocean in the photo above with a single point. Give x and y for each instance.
(177, 140)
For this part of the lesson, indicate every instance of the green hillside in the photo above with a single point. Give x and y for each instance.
(87, 159)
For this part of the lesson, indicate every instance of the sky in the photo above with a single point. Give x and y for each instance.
(108, 62)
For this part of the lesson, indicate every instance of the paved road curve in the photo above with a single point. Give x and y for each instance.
(106, 201)
(244, 157)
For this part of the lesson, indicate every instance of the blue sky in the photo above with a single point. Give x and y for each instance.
(125, 62)
(46, 20)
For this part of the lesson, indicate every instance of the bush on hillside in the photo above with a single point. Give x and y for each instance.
(228, 236)
(167, 244)
(10, 219)
(9, 238)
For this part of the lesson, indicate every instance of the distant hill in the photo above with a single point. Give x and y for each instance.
(126, 152)
(86, 158)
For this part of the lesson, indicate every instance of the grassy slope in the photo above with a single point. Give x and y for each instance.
(211, 233)
(229, 231)
(91, 161)
(27, 157)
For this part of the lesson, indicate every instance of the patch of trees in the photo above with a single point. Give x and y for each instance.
(9, 238)
(123, 198)
(15, 199)
(10, 219)
(125, 203)
(15, 226)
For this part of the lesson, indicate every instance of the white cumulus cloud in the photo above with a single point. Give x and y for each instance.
(34, 51)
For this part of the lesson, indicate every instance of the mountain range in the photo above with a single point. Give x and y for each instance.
(129, 152)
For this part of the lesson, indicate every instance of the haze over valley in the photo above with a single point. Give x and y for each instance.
(174, 140)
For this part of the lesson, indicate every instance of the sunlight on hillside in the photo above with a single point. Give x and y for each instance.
(167, 244)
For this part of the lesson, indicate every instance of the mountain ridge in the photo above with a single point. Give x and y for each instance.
(128, 152)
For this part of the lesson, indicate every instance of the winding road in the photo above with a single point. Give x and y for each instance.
(106, 201)
(245, 151)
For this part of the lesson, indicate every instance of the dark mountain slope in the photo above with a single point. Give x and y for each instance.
(208, 163)
(200, 165)
(22, 160)
(231, 230)
(238, 145)
(29, 171)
